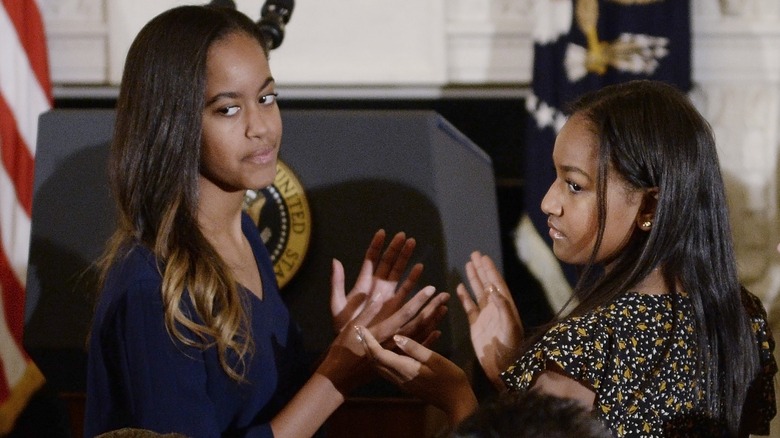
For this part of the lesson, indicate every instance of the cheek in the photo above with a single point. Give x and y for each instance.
(276, 126)
(214, 137)
(211, 155)
(619, 227)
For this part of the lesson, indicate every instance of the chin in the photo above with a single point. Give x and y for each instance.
(266, 180)
(565, 257)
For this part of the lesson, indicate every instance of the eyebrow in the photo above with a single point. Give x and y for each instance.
(575, 169)
(232, 94)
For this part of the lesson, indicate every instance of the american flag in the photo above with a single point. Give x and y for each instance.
(25, 93)
(579, 46)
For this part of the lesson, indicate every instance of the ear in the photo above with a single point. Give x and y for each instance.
(646, 214)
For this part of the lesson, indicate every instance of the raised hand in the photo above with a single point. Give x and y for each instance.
(345, 363)
(423, 373)
(376, 289)
(495, 325)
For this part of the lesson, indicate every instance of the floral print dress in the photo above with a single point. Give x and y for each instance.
(638, 354)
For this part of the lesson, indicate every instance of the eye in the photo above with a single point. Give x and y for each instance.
(573, 187)
(268, 99)
(229, 110)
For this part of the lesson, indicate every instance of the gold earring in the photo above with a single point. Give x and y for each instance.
(647, 224)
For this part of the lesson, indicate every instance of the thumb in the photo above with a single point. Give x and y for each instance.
(338, 299)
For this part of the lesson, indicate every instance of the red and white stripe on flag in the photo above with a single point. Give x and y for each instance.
(25, 93)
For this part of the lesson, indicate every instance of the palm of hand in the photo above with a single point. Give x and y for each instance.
(376, 289)
(495, 337)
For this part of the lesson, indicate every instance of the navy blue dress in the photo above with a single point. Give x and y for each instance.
(138, 376)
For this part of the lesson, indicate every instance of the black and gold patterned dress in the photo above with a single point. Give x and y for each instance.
(638, 354)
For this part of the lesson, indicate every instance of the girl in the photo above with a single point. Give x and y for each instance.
(190, 334)
(664, 341)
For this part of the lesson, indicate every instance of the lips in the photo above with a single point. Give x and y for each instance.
(263, 156)
(554, 233)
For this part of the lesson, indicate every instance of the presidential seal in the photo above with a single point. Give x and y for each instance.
(281, 213)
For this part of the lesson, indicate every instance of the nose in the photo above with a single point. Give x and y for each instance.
(551, 206)
(259, 120)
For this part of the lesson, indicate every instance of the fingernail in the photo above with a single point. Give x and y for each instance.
(400, 340)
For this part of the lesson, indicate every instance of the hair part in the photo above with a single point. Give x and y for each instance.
(159, 128)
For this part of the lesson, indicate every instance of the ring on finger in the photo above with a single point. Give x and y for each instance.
(359, 334)
(491, 289)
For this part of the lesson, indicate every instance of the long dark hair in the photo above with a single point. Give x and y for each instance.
(154, 167)
(653, 137)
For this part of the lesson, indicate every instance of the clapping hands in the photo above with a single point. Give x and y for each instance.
(423, 372)
(378, 301)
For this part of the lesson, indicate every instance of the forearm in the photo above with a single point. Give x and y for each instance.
(308, 409)
(465, 405)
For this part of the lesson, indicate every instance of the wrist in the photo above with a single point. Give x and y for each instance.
(344, 369)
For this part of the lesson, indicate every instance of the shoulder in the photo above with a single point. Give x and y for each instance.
(585, 346)
(137, 264)
(134, 277)
(625, 312)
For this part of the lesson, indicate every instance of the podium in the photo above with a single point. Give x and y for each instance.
(361, 170)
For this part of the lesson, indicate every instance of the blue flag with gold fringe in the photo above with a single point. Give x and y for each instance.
(579, 46)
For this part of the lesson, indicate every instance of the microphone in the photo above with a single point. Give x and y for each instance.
(273, 17)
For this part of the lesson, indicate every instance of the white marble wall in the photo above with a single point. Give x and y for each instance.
(430, 43)
(434, 44)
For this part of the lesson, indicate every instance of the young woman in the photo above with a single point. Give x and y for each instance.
(664, 340)
(190, 334)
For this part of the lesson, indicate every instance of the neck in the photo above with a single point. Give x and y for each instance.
(653, 284)
(219, 212)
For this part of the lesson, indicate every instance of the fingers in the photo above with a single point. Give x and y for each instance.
(395, 258)
(390, 254)
(475, 281)
(411, 280)
(396, 367)
(482, 273)
(426, 321)
(375, 247)
(490, 272)
(469, 306)
(413, 349)
(365, 278)
(402, 259)
(390, 326)
(495, 279)
(388, 265)
(338, 299)
(479, 265)
(432, 338)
